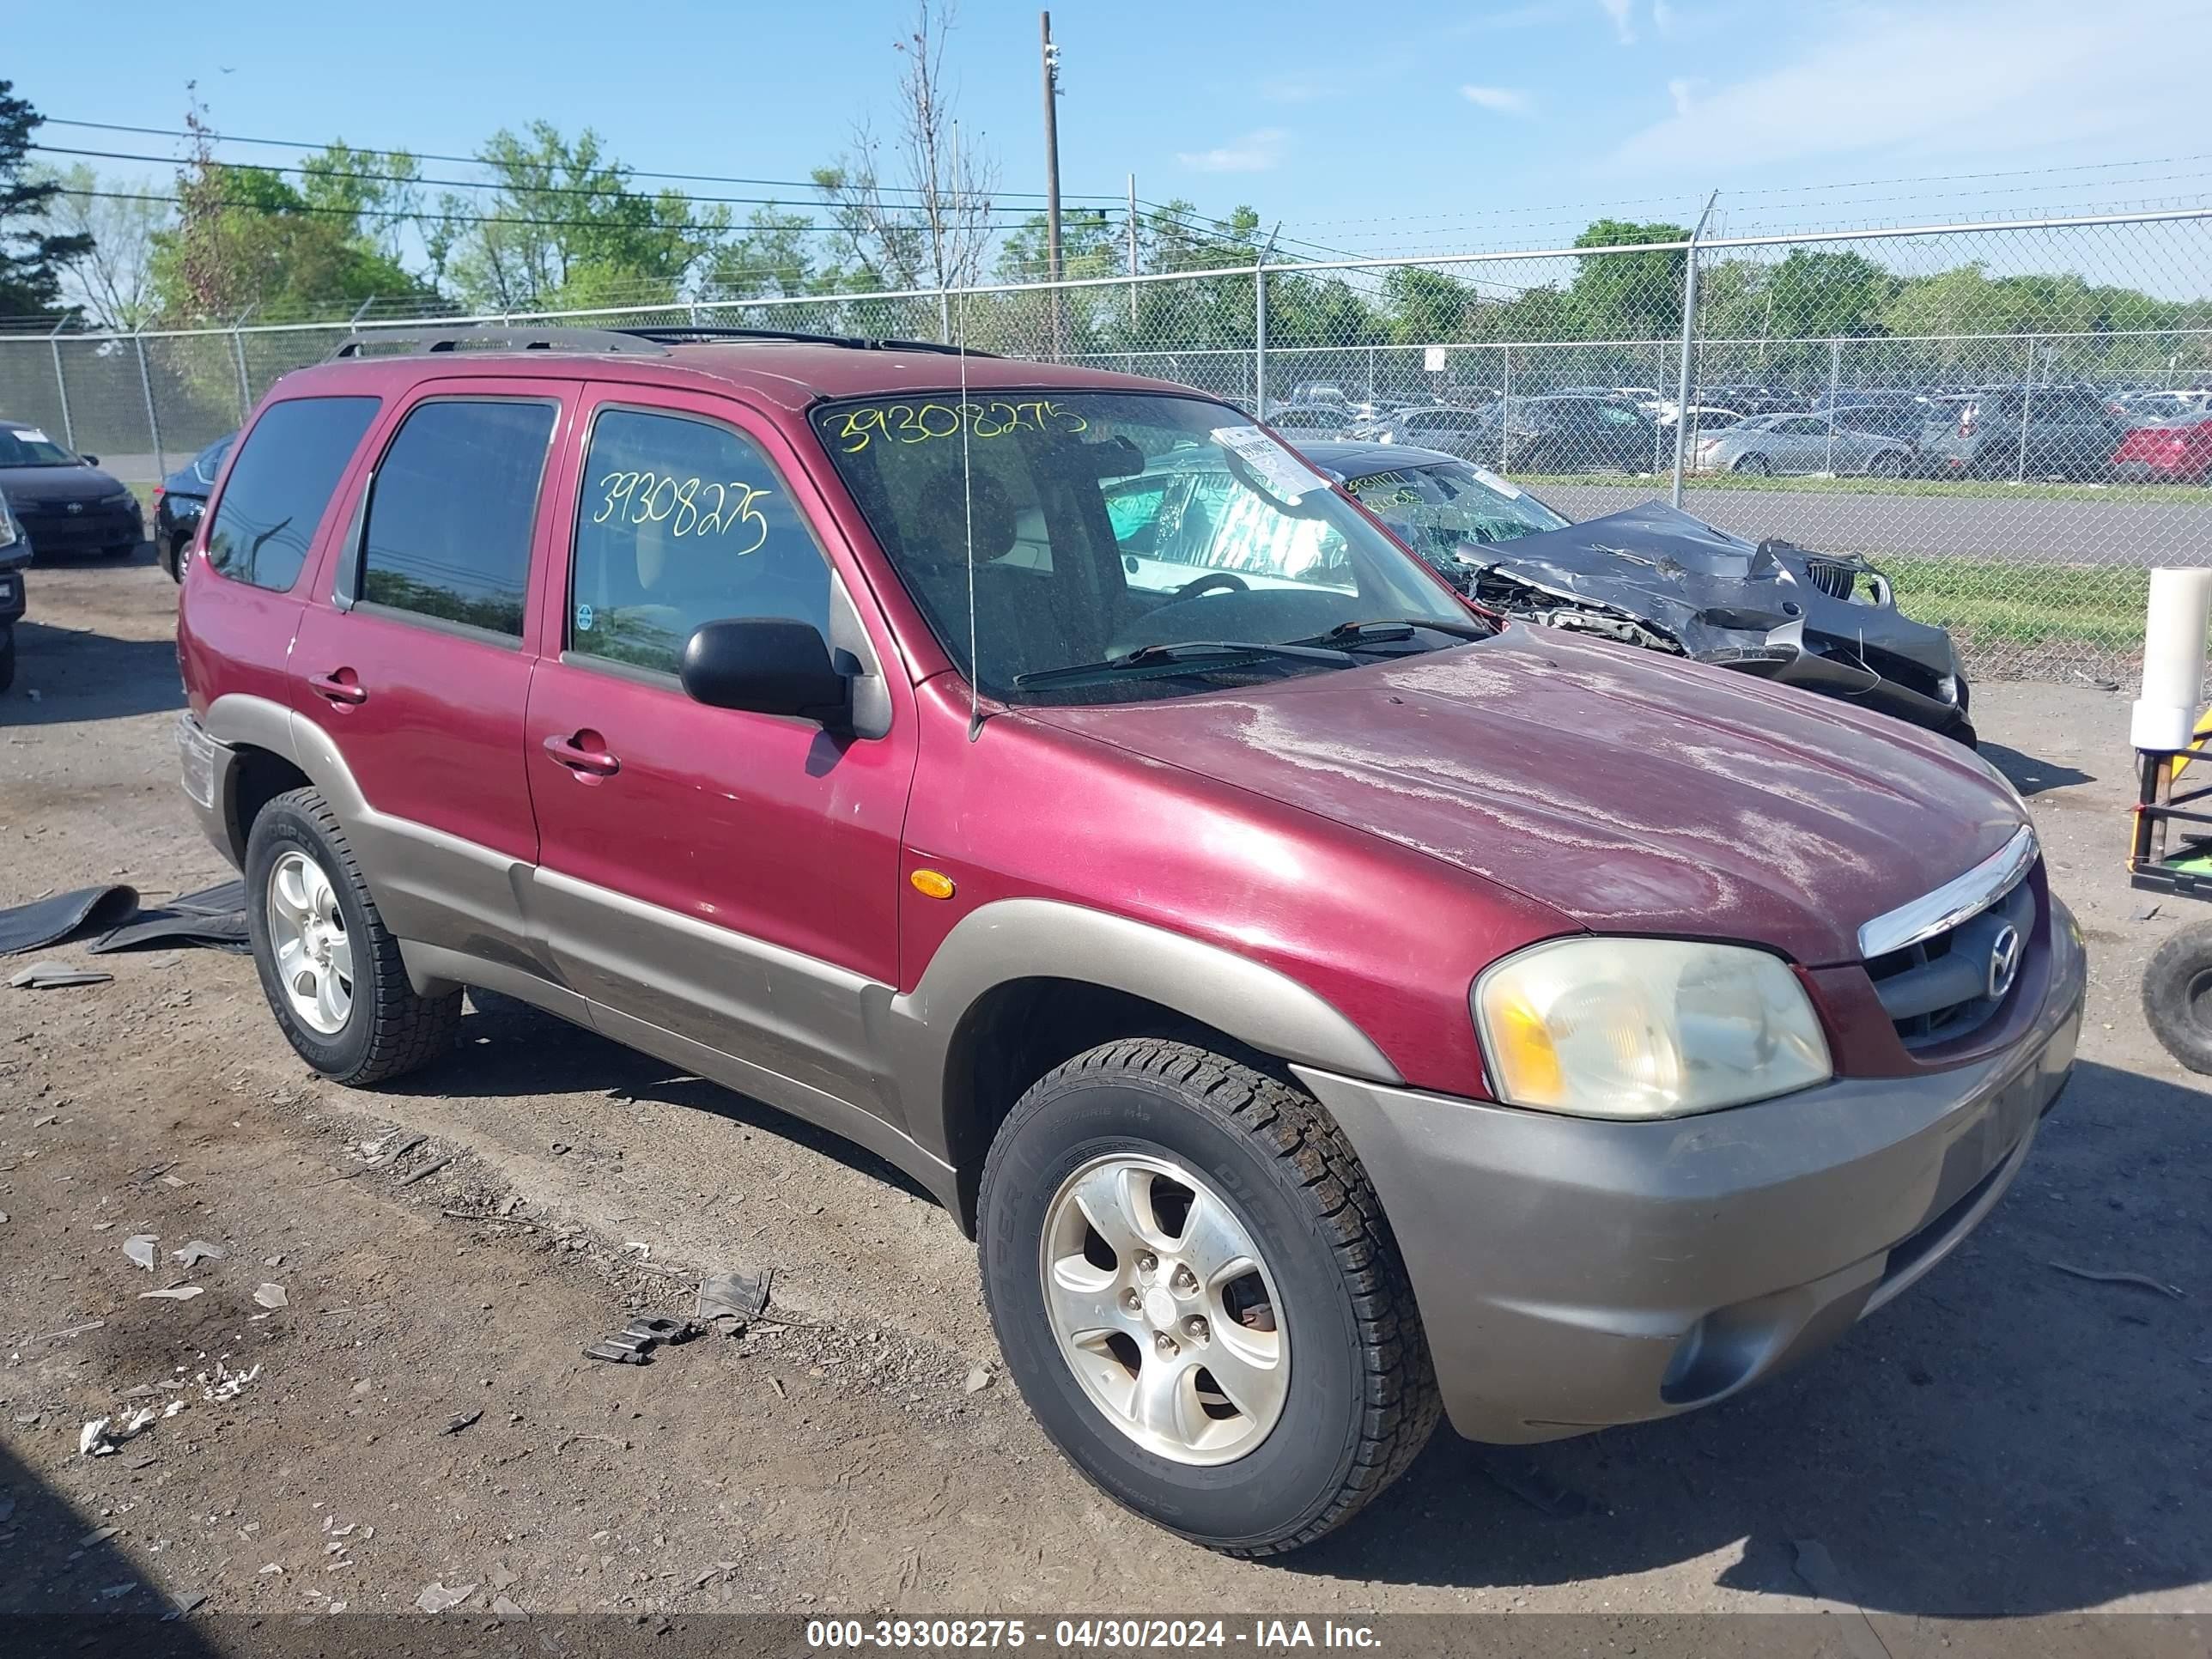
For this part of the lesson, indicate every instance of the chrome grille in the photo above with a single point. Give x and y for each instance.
(1936, 988)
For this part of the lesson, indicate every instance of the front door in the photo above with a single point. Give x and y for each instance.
(730, 877)
(414, 662)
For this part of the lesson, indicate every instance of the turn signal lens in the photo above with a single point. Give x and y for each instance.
(931, 884)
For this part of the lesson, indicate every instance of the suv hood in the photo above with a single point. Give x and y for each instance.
(1628, 792)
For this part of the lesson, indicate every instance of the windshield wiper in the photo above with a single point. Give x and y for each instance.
(1382, 630)
(1150, 656)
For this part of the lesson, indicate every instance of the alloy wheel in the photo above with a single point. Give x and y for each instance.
(1165, 1309)
(307, 936)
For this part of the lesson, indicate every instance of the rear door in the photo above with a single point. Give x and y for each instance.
(727, 877)
(416, 662)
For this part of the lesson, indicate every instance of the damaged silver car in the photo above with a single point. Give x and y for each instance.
(1655, 577)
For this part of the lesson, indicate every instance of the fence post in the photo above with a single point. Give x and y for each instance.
(1260, 338)
(61, 387)
(153, 420)
(2026, 397)
(1689, 341)
(1505, 407)
(238, 348)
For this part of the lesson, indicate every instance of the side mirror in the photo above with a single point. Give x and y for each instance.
(765, 665)
(89, 460)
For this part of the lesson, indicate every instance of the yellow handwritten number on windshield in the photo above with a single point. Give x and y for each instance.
(916, 423)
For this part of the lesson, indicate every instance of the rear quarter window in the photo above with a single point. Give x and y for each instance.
(281, 485)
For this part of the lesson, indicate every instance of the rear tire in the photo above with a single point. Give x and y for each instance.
(1752, 465)
(2178, 996)
(1890, 464)
(375, 1026)
(1351, 1396)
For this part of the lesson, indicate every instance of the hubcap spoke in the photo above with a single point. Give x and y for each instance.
(1214, 1244)
(1248, 1367)
(1109, 1201)
(1165, 1403)
(1085, 1299)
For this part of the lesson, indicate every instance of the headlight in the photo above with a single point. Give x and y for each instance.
(1645, 1027)
(120, 498)
(9, 534)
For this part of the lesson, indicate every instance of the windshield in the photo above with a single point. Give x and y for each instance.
(25, 446)
(1438, 509)
(1105, 523)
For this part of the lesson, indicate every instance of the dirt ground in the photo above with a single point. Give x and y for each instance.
(2009, 1439)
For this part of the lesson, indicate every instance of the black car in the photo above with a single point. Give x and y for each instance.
(15, 554)
(63, 502)
(1654, 577)
(178, 501)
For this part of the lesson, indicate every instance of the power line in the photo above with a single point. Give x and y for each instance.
(416, 213)
(478, 160)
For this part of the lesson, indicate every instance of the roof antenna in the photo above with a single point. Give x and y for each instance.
(967, 492)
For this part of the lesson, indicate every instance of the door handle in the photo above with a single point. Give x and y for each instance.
(339, 686)
(596, 762)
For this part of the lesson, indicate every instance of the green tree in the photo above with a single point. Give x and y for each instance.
(1628, 296)
(564, 229)
(32, 254)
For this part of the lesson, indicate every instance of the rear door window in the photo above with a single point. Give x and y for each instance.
(280, 486)
(683, 521)
(451, 512)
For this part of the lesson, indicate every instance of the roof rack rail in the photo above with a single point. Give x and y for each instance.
(685, 333)
(471, 337)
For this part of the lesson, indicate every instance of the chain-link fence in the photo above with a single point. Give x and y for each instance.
(2014, 420)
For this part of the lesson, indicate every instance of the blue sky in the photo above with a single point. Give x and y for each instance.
(1409, 127)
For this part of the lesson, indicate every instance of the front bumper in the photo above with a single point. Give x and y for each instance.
(88, 530)
(1576, 1273)
(13, 600)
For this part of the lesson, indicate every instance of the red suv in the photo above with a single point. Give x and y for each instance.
(1325, 1003)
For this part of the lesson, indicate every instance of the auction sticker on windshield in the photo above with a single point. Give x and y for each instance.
(1277, 468)
(31, 435)
(1511, 491)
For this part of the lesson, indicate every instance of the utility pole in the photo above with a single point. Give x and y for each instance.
(1051, 64)
(1133, 256)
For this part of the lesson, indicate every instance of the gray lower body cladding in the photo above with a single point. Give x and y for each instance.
(1574, 1273)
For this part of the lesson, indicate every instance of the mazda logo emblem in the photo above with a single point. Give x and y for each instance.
(77, 506)
(2004, 960)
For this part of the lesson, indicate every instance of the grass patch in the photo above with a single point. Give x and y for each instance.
(1984, 490)
(1994, 600)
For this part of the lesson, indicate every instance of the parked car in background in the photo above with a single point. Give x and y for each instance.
(2166, 452)
(1754, 397)
(63, 502)
(1327, 1009)
(1319, 391)
(2134, 407)
(1703, 418)
(2015, 432)
(178, 501)
(1439, 426)
(1302, 420)
(1901, 418)
(15, 554)
(1654, 577)
(1800, 446)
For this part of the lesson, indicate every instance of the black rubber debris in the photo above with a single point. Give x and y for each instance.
(49, 920)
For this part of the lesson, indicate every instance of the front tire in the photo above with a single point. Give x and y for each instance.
(7, 656)
(2178, 996)
(330, 970)
(1752, 465)
(1193, 1283)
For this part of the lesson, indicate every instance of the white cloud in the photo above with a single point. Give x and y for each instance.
(1979, 76)
(1662, 16)
(1295, 89)
(1255, 152)
(1502, 100)
(1624, 21)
